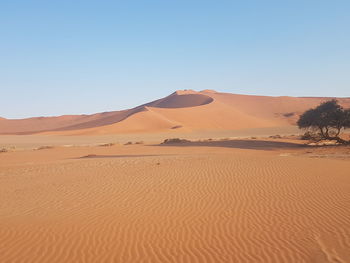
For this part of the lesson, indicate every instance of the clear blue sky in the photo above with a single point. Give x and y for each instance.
(71, 57)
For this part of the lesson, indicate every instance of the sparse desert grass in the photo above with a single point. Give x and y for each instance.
(107, 144)
(3, 150)
(128, 143)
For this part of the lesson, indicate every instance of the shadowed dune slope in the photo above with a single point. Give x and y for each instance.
(146, 120)
(33, 125)
(182, 100)
(186, 110)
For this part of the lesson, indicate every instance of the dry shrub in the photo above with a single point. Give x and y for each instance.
(275, 136)
(174, 140)
(107, 144)
(308, 136)
(289, 114)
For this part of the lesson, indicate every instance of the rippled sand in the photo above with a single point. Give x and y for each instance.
(184, 203)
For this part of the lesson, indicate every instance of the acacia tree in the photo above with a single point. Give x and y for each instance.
(326, 120)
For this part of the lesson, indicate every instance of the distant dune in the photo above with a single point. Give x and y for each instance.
(181, 111)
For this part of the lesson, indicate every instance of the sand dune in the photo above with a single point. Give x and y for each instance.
(182, 99)
(282, 108)
(185, 203)
(144, 121)
(187, 110)
(34, 125)
(215, 115)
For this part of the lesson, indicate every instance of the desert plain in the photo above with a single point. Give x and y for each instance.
(77, 191)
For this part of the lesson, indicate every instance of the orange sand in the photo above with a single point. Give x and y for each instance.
(78, 199)
(236, 201)
(182, 111)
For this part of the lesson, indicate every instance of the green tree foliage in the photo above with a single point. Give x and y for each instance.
(326, 120)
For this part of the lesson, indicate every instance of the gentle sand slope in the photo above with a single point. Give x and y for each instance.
(173, 204)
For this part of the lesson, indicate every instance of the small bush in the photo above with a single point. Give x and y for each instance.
(107, 144)
(174, 140)
(140, 142)
(128, 143)
(307, 136)
(3, 150)
(289, 114)
(275, 136)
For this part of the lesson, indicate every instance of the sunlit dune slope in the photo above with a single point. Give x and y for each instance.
(267, 107)
(185, 110)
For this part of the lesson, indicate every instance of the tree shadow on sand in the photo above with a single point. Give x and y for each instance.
(240, 144)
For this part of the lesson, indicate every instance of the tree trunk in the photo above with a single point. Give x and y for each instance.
(339, 140)
(325, 136)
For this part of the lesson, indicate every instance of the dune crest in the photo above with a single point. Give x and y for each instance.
(182, 100)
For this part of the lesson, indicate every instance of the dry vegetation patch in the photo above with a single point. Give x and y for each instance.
(174, 140)
(3, 150)
(107, 144)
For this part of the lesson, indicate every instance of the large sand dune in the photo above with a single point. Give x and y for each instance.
(235, 201)
(181, 111)
(84, 199)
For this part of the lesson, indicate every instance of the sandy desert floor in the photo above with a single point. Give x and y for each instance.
(213, 201)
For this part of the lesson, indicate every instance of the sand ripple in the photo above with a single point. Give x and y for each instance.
(200, 208)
